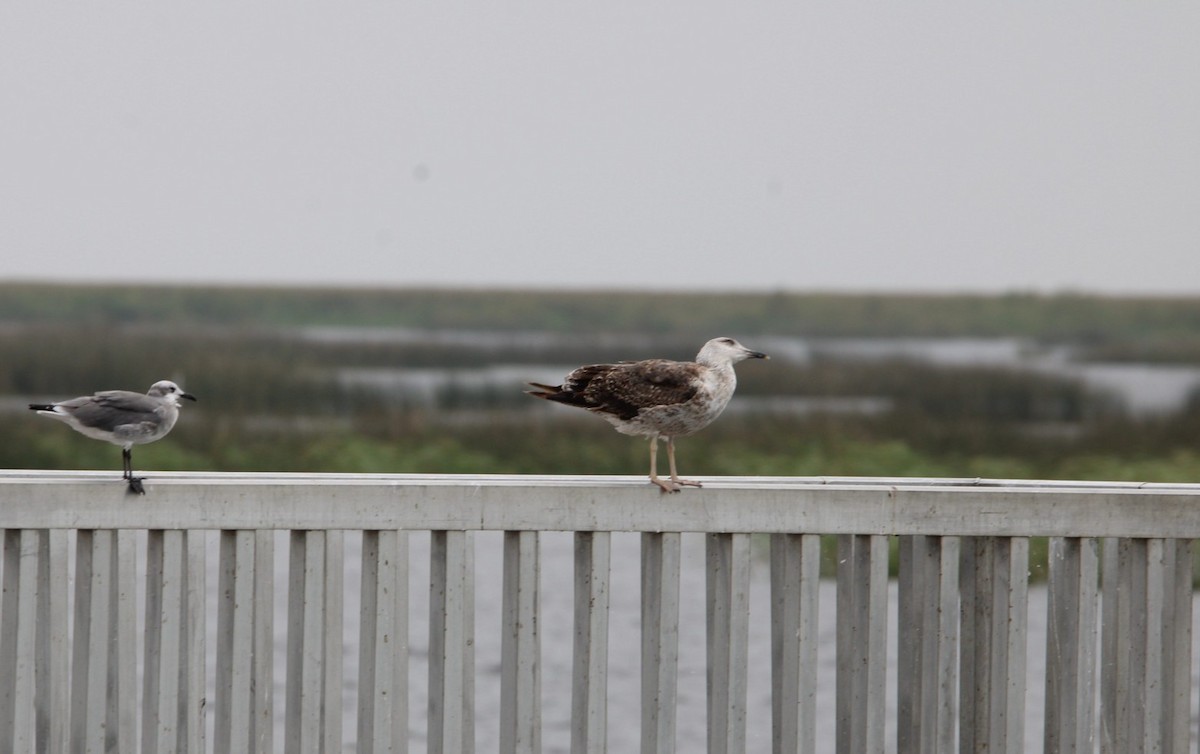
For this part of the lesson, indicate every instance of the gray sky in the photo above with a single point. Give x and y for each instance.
(765, 145)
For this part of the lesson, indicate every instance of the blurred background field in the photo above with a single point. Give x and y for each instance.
(397, 380)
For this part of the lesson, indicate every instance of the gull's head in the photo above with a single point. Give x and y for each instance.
(169, 390)
(722, 351)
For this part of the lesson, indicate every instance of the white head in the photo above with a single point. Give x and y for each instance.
(169, 390)
(724, 352)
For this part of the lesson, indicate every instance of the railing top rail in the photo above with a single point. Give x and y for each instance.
(826, 505)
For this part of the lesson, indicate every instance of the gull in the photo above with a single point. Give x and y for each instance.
(123, 418)
(656, 398)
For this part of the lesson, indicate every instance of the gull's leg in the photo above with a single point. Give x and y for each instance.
(671, 459)
(663, 484)
(135, 483)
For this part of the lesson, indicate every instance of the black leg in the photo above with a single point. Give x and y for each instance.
(135, 483)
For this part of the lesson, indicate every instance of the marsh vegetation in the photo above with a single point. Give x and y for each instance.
(431, 380)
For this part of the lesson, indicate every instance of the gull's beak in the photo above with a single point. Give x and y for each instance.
(189, 396)
(759, 355)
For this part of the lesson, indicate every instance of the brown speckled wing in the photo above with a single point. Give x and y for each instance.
(625, 389)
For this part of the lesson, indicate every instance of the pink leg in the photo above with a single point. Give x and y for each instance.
(671, 459)
(654, 478)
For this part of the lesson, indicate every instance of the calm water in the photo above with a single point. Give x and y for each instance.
(1143, 388)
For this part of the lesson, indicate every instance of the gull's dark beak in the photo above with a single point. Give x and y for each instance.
(189, 396)
(759, 355)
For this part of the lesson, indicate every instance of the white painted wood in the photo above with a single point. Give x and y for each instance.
(10, 578)
(7, 657)
(94, 588)
(262, 735)
(18, 626)
(53, 646)
(1146, 641)
(383, 644)
(660, 640)
(520, 647)
(589, 695)
(332, 630)
(861, 643)
(1177, 647)
(314, 668)
(247, 501)
(992, 658)
(1113, 660)
(451, 643)
(795, 577)
(1126, 646)
(193, 702)
(164, 695)
(1150, 595)
(728, 631)
(235, 693)
(927, 677)
(122, 696)
(1071, 645)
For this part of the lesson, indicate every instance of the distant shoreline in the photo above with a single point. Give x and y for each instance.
(1152, 324)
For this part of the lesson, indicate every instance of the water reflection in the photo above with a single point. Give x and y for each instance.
(1142, 388)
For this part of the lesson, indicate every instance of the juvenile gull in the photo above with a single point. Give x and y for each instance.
(657, 398)
(122, 418)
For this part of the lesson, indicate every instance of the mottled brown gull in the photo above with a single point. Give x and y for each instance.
(656, 398)
(122, 417)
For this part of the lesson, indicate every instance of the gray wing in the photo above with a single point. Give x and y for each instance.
(112, 409)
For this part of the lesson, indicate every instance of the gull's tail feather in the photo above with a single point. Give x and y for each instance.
(544, 391)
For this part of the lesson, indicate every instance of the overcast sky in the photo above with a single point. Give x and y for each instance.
(764, 145)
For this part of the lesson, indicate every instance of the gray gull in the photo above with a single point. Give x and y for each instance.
(122, 418)
(656, 398)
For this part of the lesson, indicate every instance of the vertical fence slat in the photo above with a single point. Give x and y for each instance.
(193, 700)
(54, 650)
(123, 694)
(589, 695)
(451, 643)
(18, 638)
(1152, 670)
(332, 633)
(795, 577)
(262, 733)
(520, 646)
(10, 562)
(995, 597)
(1071, 651)
(861, 642)
(165, 692)
(728, 624)
(314, 669)
(94, 643)
(1122, 646)
(1177, 647)
(927, 671)
(1138, 609)
(236, 713)
(1110, 657)
(660, 640)
(383, 644)
(173, 668)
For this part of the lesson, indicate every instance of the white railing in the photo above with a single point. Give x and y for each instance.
(90, 662)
